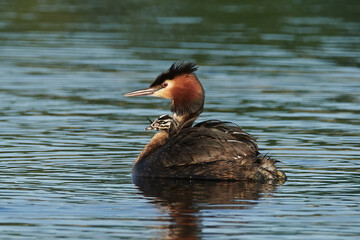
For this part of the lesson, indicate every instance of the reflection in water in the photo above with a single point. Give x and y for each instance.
(184, 200)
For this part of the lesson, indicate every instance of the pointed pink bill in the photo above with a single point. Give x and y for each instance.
(141, 92)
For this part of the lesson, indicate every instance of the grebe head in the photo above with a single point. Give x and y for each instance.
(180, 84)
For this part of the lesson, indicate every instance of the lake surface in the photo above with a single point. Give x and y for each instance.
(287, 72)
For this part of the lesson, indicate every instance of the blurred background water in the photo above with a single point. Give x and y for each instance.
(286, 71)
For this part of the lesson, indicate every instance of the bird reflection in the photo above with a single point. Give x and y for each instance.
(185, 200)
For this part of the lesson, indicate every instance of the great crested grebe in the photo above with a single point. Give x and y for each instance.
(211, 149)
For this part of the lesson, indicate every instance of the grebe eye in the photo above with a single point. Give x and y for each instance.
(165, 84)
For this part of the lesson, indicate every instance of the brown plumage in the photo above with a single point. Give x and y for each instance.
(209, 150)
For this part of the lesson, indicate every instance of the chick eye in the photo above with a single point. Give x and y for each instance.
(164, 84)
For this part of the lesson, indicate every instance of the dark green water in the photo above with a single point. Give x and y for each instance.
(286, 71)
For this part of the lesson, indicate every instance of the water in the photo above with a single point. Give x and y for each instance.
(289, 73)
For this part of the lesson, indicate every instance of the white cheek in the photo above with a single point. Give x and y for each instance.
(162, 93)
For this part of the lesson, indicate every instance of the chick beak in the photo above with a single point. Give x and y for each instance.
(141, 92)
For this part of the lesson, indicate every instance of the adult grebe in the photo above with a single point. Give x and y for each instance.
(209, 150)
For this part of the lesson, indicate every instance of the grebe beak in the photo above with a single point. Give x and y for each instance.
(149, 120)
(141, 92)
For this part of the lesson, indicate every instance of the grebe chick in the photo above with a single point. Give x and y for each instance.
(211, 149)
(165, 123)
